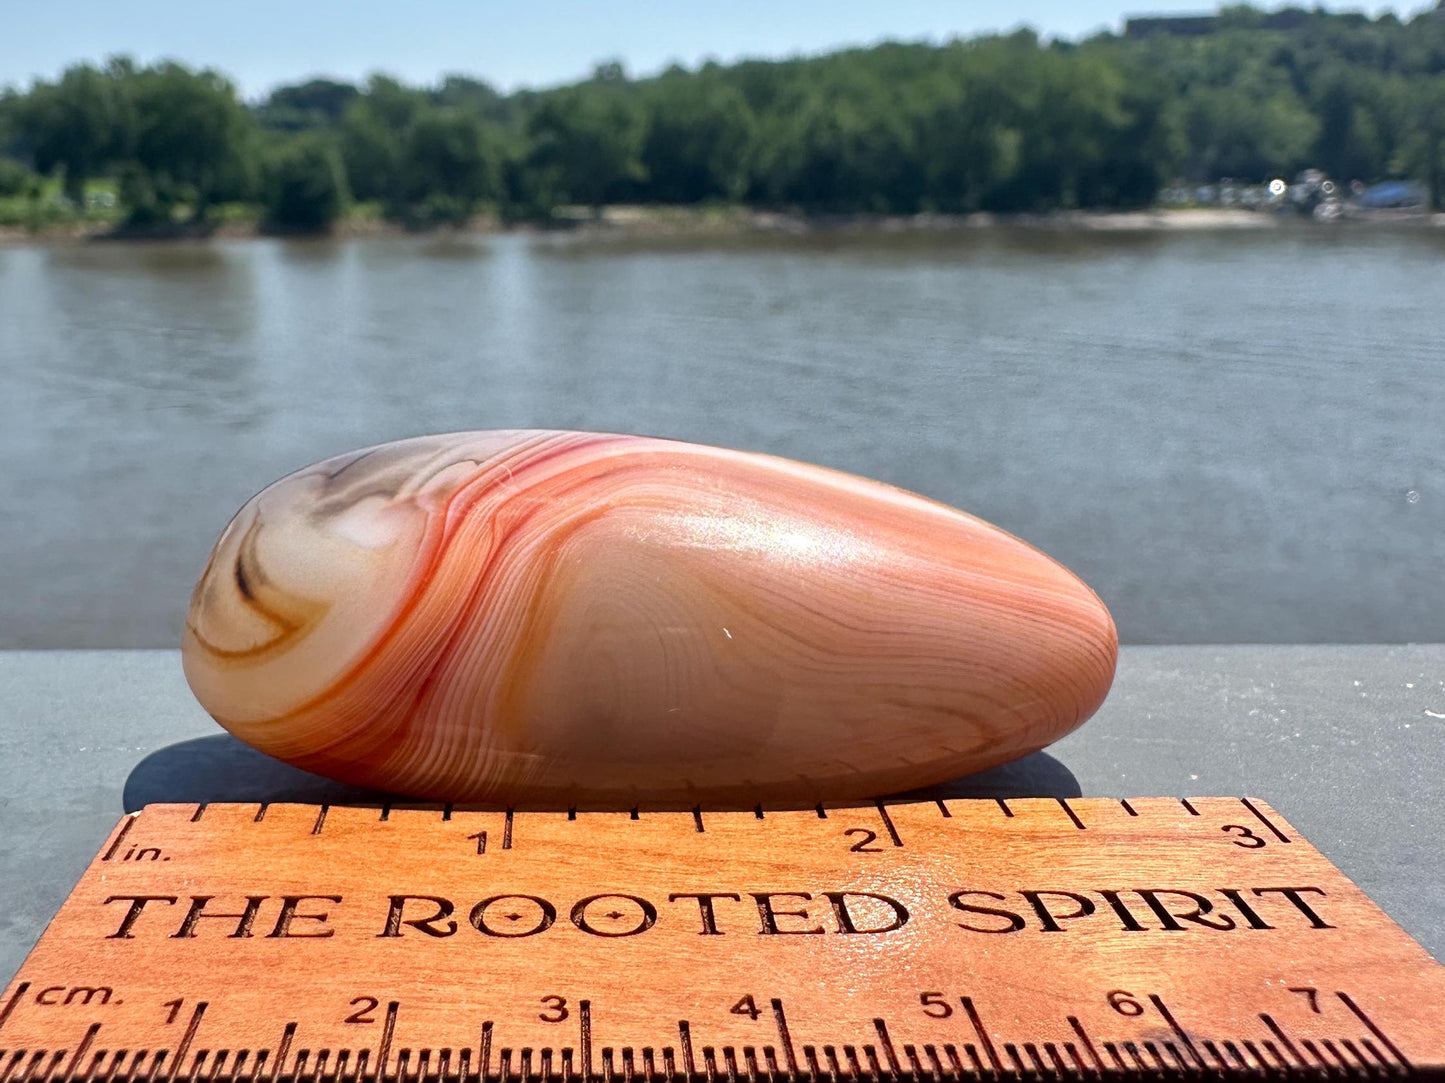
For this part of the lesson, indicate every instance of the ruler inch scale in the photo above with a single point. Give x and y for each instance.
(949, 940)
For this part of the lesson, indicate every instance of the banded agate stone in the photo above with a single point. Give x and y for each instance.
(547, 619)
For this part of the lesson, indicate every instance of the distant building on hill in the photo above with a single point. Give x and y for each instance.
(1143, 26)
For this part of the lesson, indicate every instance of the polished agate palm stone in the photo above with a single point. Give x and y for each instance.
(563, 618)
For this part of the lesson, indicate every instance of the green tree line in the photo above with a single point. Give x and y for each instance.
(997, 123)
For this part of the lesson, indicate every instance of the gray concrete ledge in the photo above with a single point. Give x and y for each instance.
(1347, 742)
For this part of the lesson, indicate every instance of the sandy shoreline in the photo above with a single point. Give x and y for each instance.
(665, 221)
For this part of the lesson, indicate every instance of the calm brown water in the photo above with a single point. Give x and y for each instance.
(1233, 437)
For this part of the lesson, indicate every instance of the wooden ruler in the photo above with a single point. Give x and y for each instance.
(960, 939)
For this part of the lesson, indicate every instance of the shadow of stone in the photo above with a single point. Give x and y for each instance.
(221, 769)
(1038, 775)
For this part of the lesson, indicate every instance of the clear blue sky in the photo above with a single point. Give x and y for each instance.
(261, 43)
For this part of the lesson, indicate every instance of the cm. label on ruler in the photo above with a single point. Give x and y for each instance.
(957, 939)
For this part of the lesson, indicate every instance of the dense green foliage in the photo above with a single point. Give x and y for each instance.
(305, 184)
(996, 124)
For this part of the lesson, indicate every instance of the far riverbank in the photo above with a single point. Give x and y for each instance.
(673, 220)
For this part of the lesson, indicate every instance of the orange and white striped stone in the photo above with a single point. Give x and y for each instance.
(556, 618)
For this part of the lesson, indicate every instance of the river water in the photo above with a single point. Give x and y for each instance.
(1232, 436)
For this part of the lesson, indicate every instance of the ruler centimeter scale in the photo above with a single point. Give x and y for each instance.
(933, 940)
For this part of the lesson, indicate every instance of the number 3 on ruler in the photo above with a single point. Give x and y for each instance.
(1246, 838)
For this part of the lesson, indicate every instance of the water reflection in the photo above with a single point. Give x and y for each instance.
(1217, 430)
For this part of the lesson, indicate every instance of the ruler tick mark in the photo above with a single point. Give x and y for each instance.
(320, 819)
(1259, 1058)
(931, 1052)
(983, 1038)
(943, 809)
(388, 1031)
(1073, 1051)
(507, 830)
(446, 812)
(770, 1057)
(1113, 1051)
(1213, 1051)
(261, 811)
(697, 817)
(810, 1057)
(1188, 807)
(1374, 1051)
(584, 1012)
(888, 822)
(1334, 1051)
(1153, 1051)
(14, 1000)
(822, 812)
(1359, 1014)
(82, 1049)
(1004, 806)
(187, 1038)
(875, 1070)
(951, 1052)
(886, 1041)
(1088, 1042)
(1074, 816)
(1060, 1065)
(1289, 1046)
(731, 1061)
(1262, 818)
(1233, 1051)
(1273, 1050)
(120, 835)
(1033, 1051)
(1179, 1031)
(1314, 1051)
(385, 811)
(684, 1034)
(288, 1034)
(1354, 1051)
(1127, 807)
(915, 1066)
(1173, 1051)
(750, 1058)
(1012, 1052)
(1133, 1050)
(978, 1069)
(830, 1054)
(758, 811)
